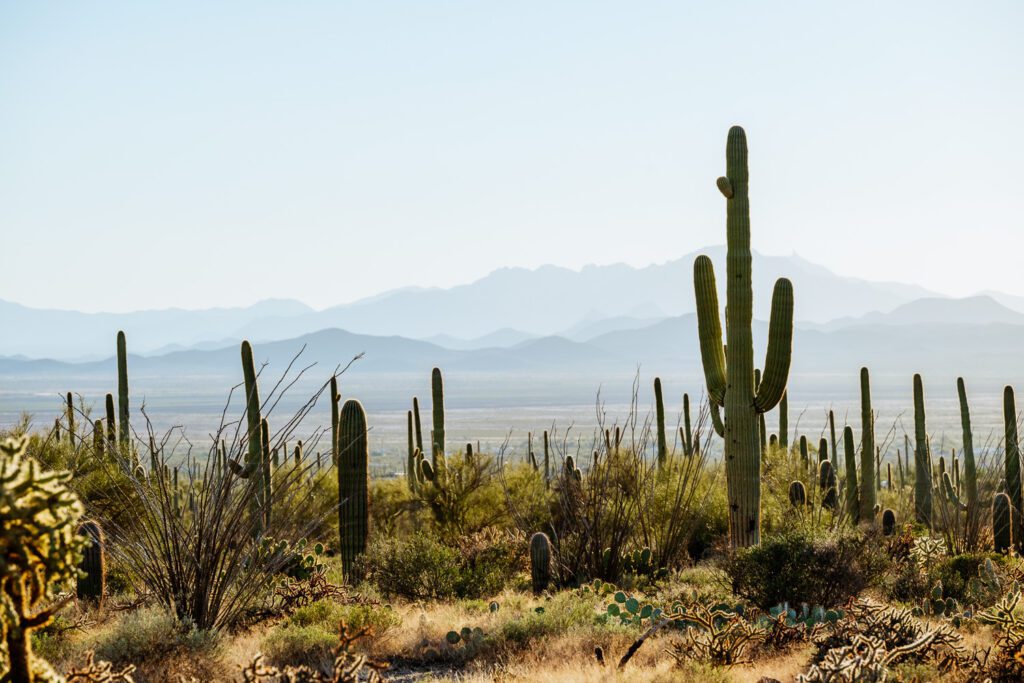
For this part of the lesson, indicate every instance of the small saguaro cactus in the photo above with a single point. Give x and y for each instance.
(686, 431)
(1011, 447)
(659, 411)
(353, 482)
(1002, 523)
(417, 424)
(540, 562)
(547, 460)
(827, 483)
(40, 553)
(92, 579)
(437, 409)
(804, 455)
(822, 450)
(797, 494)
(832, 431)
(922, 459)
(124, 435)
(852, 491)
(731, 365)
(867, 447)
(70, 409)
(335, 417)
(111, 425)
(888, 522)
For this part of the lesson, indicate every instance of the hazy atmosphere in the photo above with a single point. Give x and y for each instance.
(710, 317)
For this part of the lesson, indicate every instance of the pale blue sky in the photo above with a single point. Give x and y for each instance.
(195, 153)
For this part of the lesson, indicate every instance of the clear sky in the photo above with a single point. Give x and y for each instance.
(212, 153)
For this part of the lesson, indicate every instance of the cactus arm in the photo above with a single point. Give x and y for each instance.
(716, 419)
(947, 485)
(709, 329)
(784, 422)
(780, 348)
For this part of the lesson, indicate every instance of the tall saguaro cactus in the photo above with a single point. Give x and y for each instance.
(970, 478)
(353, 482)
(729, 369)
(1012, 464)
(257, 458)
(852, 491)
(867, 449)
(124, 433)
(659, 411)
(922, 459)
(437, 408)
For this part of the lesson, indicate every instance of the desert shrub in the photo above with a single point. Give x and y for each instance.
(956, 572)
(800, 566)
(392, 501)
(310, 635)
(150, 633)
(528, 496)
(564, 613)
(419, 567)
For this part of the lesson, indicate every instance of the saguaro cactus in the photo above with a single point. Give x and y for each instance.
(733, 369)
(417, 424)
(888, 522)
(71, 418)
(257, 459)
(784, 422)
(797, 494)
(852, 491)
(1003, 523)
(93, 578)
(689, 446)
(437, 407)
(111, 425)
(124, 435)
(922, 459)
(867, 448)
(1012, 464)
(827, 484)
(540, 562)
(353, 482)
(659, 411)
(410, 463)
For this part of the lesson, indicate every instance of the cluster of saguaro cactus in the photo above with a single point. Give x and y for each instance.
(353, 482)
(540, 562)
(729, 368)
(41, 551)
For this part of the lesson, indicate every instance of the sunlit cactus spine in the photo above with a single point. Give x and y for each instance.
(1003, 523)
(437, 410)
(867, 448)
(732, 365)
(852, 490)
(797, 494)
(540, 562)
(353, 483)
(922, 459)
(1011, 446)
(92, 578)
(41, 551)
(124, 434)
(827, 484)
(659, 411)
(888, 522)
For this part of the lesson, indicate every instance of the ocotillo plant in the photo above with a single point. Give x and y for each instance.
(867, 448)
(92, 578)
(437, 408)
(124, 435)
(659, 411)
(732, 365)
(540, 562)
(922, 459)
(353, 482)
(1002, 523)
(852, 490)
(1011, 447)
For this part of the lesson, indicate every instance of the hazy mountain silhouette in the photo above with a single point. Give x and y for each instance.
(545, 301)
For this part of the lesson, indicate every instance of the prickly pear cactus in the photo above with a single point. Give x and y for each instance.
(38, 520)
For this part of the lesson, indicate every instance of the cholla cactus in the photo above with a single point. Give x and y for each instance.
(39, 551)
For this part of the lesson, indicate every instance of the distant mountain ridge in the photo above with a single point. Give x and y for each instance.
(535, 303)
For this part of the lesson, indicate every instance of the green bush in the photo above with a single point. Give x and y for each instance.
(310, 635)
(149, 633)
(799, 566)
(955, 573)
